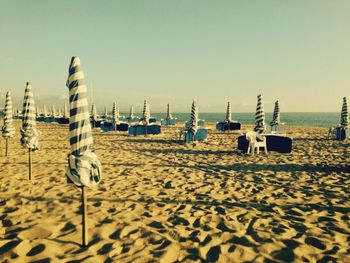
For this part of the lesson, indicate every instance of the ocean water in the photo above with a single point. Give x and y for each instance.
(320, 119)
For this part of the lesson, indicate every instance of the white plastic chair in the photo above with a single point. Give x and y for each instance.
(252, 137)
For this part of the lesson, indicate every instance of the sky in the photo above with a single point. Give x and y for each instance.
(297, 52)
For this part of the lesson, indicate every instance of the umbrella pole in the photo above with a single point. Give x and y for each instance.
(84, 222)
(30, 164)
(6, 151)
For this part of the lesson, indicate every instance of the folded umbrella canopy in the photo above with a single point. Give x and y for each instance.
(29, 133)
(115, 115)
(105, 114)
(168, 116)
(228, 113)
(260, 116)
(146, 114)
(84, 168)
(131, 115)
(194, 119)
(45, 111)
(8, 131)
(94, 112)
(276, 115)
(53, 111)
(344, 120)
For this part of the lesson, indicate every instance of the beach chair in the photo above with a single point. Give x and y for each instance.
(201, 135)
(144, 130)
(228, 126)
(256, 141)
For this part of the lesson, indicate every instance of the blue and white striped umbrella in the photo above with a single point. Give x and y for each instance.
(169, 116)
(29, 133)
(8, 131)
(131, 115)
(115, 114)
(193, 128)
(53, 111)
(228, 112)
(146, 113)
(344, 121)
(94, 112)
(84, 168)
(260, 116)
(276, 115)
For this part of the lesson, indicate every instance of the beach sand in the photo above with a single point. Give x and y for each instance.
(163, 201)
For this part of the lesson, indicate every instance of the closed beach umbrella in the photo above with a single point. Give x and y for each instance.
(169, 116)
(53, 111)
(131, 116)
(84, 168)
(94, 112)
(29, 133)
(59, 112)
(45, 111)
(228, 112)
(194, 119)
(344, 121)
(259, 116)
(8, 131)
(146, 113)
(276, 115)
(115, 114)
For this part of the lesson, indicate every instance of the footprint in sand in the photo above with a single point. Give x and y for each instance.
(174, 235)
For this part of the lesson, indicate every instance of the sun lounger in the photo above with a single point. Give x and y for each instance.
(274, 142)
(144, 130)
(108, 126)
(226, 126)
(201, 135)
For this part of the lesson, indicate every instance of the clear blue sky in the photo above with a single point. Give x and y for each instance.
(175, 51)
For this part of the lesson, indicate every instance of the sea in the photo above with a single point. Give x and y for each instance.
(318, 119)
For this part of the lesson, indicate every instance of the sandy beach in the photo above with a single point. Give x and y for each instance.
(161, 201)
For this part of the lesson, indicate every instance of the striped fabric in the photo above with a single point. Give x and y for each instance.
(228, 112)
(168, 116)
(94, 112)
(131, 116)
(276, 115)
(344, 121)
(115, 114)
(84, 168)
(29, 133)
(146, 113)
(65, 111)
(8, 131)
(194, 119)
(259, 116)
